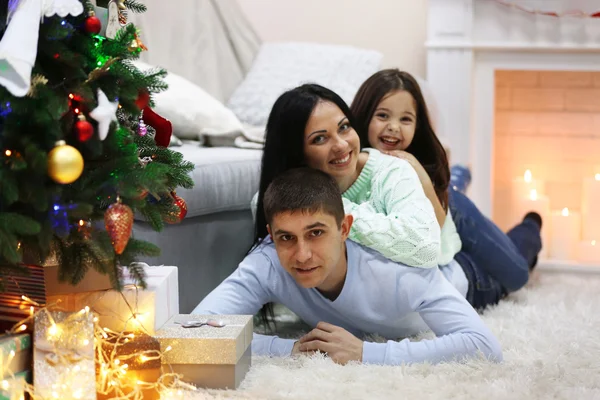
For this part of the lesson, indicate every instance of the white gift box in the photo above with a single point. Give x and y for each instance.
(133, 309)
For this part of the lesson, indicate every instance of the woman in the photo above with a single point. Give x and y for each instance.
(392, 116)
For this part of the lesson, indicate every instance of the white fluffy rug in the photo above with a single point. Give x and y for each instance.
(550, 333)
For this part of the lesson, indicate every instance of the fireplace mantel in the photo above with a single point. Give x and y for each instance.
(468, 40)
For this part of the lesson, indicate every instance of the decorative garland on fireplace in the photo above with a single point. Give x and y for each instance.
(568, 13)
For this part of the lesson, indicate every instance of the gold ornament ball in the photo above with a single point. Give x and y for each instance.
(133, 46)
(65, 163)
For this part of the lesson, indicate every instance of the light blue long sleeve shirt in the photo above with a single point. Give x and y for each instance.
(378, 297)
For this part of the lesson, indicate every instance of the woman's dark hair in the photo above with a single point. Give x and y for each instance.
(284, 141)
(425, 146)
(284, 148)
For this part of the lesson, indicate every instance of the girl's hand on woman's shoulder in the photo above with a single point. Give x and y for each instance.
(412, 160)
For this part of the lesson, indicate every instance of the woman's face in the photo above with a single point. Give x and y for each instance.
(393, 124)
(331, 144)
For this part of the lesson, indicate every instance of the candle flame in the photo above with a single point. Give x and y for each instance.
(533, 194)
(565, 212)
(597, 177)
(527, 176)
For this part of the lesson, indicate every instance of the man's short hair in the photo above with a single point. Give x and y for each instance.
(305, 190)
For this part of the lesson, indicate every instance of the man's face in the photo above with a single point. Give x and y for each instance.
(311, 247)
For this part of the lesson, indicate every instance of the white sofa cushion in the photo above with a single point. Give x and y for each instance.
(282, 66)
(193, 112)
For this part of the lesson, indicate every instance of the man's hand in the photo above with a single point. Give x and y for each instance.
(296, 348)
(339, 344)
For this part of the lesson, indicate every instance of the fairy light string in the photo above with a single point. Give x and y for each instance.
(112, 368)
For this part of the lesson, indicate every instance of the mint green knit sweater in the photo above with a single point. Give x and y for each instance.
(391, 213)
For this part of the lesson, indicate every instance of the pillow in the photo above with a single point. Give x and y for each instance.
(282, 66)
(192, 111)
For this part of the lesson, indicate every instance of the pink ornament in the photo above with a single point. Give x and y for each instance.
(142, 129)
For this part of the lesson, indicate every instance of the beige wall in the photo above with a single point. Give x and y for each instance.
(397, 28)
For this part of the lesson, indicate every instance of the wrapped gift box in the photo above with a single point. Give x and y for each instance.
(153, 307)
(15, 362)
(41, 283)
(14, 389)
(209, 357)
(20, 344)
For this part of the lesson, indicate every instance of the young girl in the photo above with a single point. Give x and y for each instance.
(391, 115)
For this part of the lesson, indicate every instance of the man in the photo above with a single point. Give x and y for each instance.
(343, 289)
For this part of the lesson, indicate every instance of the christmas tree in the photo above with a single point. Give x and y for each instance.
(79, 154)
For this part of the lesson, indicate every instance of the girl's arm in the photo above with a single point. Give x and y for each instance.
(440, 213)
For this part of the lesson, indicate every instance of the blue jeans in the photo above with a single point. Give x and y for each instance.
(495, 263)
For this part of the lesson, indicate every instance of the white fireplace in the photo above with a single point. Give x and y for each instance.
(520, 91)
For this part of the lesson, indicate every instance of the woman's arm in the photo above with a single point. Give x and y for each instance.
(399, 221)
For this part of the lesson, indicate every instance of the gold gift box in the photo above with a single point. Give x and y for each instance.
(209, 357)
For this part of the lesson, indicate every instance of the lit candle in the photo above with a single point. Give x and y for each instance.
(589, 252)
(521, 186)
(539, 204)
(590, 208)
(566, 228)
(520, 189)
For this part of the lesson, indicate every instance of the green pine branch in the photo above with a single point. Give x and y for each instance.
(34, 209)
(135, 6)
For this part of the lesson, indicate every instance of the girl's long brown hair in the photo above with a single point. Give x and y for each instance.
(425, 146)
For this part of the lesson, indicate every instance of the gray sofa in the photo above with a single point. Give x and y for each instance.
(213, 46)
(218, 229)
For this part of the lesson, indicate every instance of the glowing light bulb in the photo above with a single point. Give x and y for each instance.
(593, 242)
(169, 348)
(86, 342)
(5, 385)
(23, 327)
(565, 212)
(597, 177)
(533, 194)
(71, 96)
(117, 362)
(527, 176)
(8, 153)
(143, 359)
(53, 330)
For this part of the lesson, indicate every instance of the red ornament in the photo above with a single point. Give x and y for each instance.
(143, 99)
(162, 126)
(83, 129)
(92, 25)
(176, 217)
(182, 206)
(118, 220)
